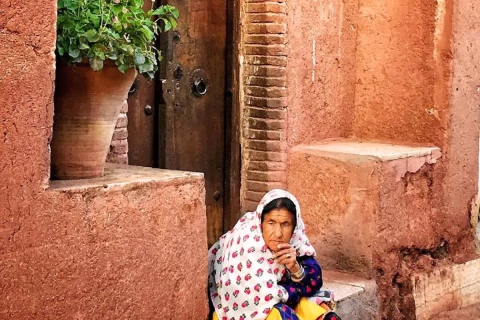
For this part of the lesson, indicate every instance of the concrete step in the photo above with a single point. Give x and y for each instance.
(355, 296)
(361, 198)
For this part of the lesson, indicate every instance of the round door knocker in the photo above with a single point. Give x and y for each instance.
(199, 87)
(199, 82)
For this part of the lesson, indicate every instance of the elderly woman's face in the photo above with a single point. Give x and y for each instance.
(277, 227)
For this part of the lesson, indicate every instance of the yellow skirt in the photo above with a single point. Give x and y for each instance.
(305, 310)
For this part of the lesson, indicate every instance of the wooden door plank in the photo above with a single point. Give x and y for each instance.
(233, 156)
(142, 127)
(193, 130)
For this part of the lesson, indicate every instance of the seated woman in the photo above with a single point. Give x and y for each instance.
(265, 267)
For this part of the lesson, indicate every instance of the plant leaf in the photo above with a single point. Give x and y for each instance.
(96, 64)
(168, 25)
(92, 35)
(150, 35)
(139, 58)
(123, 68)
(83, 46)
(74, 52)
(112, 55)
(118, 30)
(173, 22)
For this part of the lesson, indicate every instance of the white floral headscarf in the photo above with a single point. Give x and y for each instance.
(243, 274)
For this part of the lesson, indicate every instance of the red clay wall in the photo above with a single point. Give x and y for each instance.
(313, 88)
(135, 251)
(417, 81)
(461, 152)
(402, 71)
(321, 69)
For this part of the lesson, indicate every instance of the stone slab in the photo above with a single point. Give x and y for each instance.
(117, 175)
(369, 149)
(355, 296)
(342, 291)
(446, 288)
(360, 198)
(468, 313)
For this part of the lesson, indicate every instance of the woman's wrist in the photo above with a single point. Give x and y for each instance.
(298, 275)
(295, 268)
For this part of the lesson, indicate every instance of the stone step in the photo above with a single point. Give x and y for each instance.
(446, 288)
(468, 313)
(361, 198)
(355, 296)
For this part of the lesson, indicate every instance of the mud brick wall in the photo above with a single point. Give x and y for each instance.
(264, 61)
(119, 148)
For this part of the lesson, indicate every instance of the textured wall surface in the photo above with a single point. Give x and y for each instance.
(264, 56)
(402, 71)
(321, 69)
(133, 249)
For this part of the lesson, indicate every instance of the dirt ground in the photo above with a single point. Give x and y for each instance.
(470, 313)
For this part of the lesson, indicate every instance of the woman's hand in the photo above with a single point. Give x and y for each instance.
(287, 256)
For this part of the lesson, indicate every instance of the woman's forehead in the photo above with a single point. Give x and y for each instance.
(279, 214)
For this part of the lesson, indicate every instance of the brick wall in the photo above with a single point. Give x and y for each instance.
(263, 75)
(119, 148)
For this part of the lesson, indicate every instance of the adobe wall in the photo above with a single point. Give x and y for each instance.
(321, 69)
(135, 250)
(403, 70)
(393, 71)
(297, 84)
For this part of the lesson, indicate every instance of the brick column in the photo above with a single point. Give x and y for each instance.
(263, 77)
(119, 148)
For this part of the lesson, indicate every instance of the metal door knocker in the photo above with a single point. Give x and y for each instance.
(199, 82)
(200, 87)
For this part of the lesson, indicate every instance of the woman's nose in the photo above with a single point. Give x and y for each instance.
(278, 232)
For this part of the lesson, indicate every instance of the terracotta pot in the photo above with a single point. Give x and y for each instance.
(87, 105)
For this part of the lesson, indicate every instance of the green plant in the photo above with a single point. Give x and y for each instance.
(117, 30)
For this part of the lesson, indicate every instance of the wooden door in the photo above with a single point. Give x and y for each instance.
(142, 123)
(143, 118)
(192, 120)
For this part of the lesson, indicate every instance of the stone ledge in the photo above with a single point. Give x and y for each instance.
(446, 288)
(360, 198)
(120, 176)
(338, 149)
(355, 296)
(342, 284)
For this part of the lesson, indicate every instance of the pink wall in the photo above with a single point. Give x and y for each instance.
(135, 251)
(321, 69)
(461, 150)
(402, 71)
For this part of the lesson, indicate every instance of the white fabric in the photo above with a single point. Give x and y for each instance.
(243, 274)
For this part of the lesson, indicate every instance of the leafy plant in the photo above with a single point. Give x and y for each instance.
(117, 30)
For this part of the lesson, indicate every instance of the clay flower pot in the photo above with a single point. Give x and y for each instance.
(87, 105)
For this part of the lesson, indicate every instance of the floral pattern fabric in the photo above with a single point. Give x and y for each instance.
(243, 274)
(310, 284)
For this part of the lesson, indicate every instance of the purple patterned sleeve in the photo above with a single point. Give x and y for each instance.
(310, 284)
